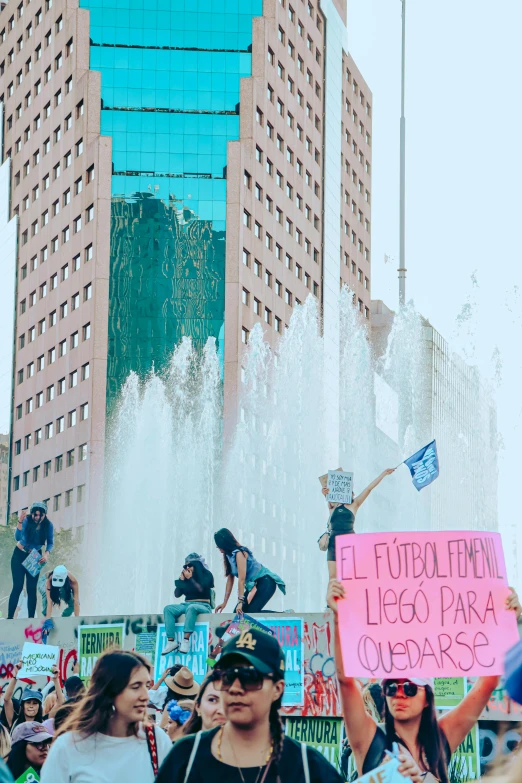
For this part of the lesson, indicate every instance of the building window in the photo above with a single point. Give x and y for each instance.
(68, 497)
(86, 331)
(86, 369)
(71, 419)
(244, 335)
(87, 292)
(80, 493)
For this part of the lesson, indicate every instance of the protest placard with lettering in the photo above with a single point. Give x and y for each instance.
(38, 660)
(340, 486)
(424, 604)
(93, 640)
(386, 773)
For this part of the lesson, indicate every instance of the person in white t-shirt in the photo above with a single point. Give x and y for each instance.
(105, 738)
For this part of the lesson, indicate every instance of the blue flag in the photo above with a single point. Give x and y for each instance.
(424, 466)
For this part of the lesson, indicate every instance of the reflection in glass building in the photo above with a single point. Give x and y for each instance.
(170, 101)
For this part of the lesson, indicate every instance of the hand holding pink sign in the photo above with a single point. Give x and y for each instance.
(424, 604)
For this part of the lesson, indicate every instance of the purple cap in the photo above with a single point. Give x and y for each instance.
(30, 731)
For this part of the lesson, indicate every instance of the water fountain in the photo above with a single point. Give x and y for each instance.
(171, 485)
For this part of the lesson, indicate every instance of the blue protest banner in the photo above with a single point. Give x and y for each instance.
(195, 659)
(289, 633)
(424, 466)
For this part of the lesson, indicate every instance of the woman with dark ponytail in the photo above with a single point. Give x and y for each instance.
(251, 746)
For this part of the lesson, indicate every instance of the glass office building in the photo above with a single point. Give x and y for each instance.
(170, 102)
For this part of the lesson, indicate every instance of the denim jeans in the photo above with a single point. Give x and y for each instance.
(191, 610)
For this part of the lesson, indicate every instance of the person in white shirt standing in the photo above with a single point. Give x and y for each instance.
(106, 737)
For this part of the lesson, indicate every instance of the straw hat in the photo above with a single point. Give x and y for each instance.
(183, 683)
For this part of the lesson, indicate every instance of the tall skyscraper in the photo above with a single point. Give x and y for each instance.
(170, 170)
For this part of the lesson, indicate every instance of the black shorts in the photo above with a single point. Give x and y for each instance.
(330, 556)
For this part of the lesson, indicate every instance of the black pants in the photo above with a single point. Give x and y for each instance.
(266, 588)
(19, 573)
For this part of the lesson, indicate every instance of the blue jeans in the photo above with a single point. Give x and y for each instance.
(191, 610)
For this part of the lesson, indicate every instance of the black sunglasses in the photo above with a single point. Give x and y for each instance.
(249, 678)
(408, 688)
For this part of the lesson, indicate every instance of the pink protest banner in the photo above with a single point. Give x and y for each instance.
(424, 604)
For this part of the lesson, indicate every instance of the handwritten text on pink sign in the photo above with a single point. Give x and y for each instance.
(430, 604)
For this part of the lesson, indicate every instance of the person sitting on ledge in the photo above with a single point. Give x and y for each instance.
(195, 582)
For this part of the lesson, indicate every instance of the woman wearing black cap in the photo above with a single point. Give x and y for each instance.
(251, 747)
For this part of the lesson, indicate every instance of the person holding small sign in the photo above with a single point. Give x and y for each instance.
(410, 717)
(342, 517)
(34, 531)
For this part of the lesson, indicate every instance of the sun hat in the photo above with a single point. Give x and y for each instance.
(30, 694)
(30, 731)
(422, 681)
(183, 683)
(260, 649)
(59, 576)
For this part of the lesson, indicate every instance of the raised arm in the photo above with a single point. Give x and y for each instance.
(60, 698)
(360, 728)
(459, 721)
(8, 695)
(359, 500)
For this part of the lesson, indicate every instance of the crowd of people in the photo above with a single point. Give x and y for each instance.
(124, 726)
(229, 728)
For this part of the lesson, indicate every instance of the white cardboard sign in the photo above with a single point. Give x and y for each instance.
(38, 660)
(340, 485)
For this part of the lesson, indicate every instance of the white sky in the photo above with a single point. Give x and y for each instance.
(463, 175)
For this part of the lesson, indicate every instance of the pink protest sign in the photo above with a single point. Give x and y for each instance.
(424, 604)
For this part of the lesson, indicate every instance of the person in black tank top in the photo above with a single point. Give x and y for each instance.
(426, 741)
(342, 517)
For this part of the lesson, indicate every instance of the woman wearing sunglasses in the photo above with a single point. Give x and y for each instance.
(410, 718)
(251, 747)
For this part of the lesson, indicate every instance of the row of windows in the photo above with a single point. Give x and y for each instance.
(289, 228)
(61, 386)
(279, 178)
(57, 133)
(289, 263)
(53, 353)
(310, 10)
(53, 390)
(292, 89)
(361, 277)
(64, 272)
(357, 91)
(57, 169)
(37, 19)
(365, 163)
(280, 291)
(37, 122)
(357, 242)
(57, 499)
(356, 120)
(356, 181)
(66, 232)
(356, 211)
(58, 63)
(290, 120)
(289, 189)
(45, 79)
(51, 428)
(42, 291)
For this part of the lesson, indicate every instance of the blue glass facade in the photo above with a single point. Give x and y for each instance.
(170, 100)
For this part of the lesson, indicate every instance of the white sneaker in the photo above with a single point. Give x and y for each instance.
(170, 647)
(184, 646)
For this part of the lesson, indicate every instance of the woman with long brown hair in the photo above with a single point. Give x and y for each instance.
(256, 583)
(106, 738)
(208, 711)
